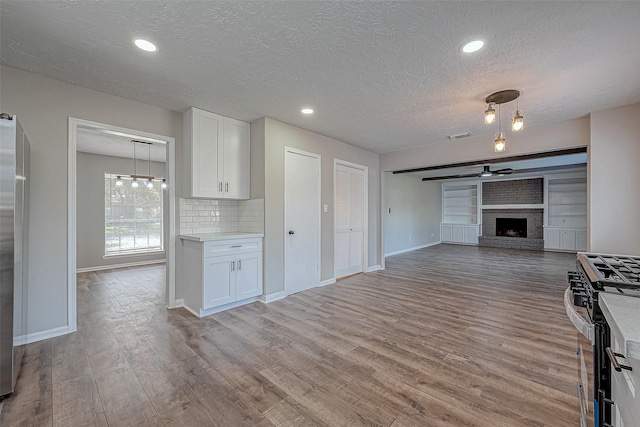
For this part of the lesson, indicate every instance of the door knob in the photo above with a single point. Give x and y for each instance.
(291, 232)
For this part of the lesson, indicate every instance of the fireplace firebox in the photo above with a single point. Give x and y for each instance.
(511, 227)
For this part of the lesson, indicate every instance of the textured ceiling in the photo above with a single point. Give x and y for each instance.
(96, 141)
(380, 75)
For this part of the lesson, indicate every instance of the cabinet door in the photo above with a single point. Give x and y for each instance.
(471, 235)
(581, 240)
(568, 239)
(248, 275)
(446, 234)
(458, 233)
(236, 159)
(206, 154)
(552, 239)
(219, 281)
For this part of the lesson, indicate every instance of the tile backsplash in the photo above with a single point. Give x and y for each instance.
(214, 216)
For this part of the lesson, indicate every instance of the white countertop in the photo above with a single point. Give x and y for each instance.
(207, 237)
(623, 315)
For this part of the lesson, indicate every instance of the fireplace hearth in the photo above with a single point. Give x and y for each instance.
(511, 227)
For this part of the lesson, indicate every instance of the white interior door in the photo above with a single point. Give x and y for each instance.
(302, 221)
(349, 220)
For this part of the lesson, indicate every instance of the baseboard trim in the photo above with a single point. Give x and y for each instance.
(42, 335)
(179, 303)
(127, 264)
(328, 282)
(266, 299)
(401, 251)
(372, 268)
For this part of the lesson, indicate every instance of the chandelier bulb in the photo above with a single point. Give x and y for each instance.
(500, 143)
(517, 124)
(118, 181)
(489, 115)
(149, 183)
(134, 183)
(164, 184)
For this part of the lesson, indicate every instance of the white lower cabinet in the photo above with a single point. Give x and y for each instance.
(457, 233)
(221, 274)
(565, 239)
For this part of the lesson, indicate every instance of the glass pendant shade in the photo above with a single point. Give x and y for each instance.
(489, 115)
(517, 124)
(134, 183)
(118, 181)
(500, 143)
(164, 184)
(149, 183)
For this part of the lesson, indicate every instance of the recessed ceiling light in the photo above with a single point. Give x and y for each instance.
(306, 111)
(472, 46)
(145, 45)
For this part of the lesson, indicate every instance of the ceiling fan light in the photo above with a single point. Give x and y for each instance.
(500, 143)
(489, 115)
(517, 124)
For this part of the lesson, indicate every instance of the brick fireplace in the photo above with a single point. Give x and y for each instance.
(507, 195)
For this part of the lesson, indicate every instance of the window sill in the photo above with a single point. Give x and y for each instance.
(131, 254)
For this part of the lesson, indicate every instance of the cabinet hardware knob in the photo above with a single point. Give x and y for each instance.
(291, 232)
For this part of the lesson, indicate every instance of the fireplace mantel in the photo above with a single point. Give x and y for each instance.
(521, 206)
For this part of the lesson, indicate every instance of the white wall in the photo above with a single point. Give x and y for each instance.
(416, 213)
(614, 181)
(90, 170)
(279, 135)
(44, 105)
(569, 134)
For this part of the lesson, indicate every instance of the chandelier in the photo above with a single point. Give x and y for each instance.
(517, 122)
(149, 179)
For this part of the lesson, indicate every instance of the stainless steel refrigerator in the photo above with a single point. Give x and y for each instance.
(14, 248)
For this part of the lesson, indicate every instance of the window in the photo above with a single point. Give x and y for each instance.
(132, 217)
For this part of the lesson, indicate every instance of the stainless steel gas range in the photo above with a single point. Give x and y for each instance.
(595, 275)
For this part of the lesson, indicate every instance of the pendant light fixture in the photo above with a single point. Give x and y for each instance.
(489, 115)
(148, 179)
(517, 123)
(500, 143)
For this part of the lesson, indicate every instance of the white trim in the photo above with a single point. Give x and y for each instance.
(124, 265)
(266, 299)
(318, 157)
(401, 251)
(179, 303)
(374, 268)
(42, 335)
(71, 212)
(512, 206)
(218, 309)
(132, 254)
(329, 281)
(365, 227)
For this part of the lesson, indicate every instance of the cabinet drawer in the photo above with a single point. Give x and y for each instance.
(236, 246)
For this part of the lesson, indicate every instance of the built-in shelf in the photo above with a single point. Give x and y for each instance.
(531, 206)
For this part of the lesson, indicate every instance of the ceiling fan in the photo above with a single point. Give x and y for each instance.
(486, 171)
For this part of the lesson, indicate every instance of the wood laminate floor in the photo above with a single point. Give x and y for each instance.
(445, 336)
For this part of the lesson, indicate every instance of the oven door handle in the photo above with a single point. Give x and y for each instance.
(613, 357)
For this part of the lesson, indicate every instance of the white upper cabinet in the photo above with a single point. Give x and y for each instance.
(217, 157)
(236, 157)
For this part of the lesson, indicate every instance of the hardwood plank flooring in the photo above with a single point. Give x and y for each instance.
(445, 336)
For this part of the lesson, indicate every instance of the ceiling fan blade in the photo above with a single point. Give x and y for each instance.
(505, 171)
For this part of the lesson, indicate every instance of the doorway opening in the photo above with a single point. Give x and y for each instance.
(121, 203)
